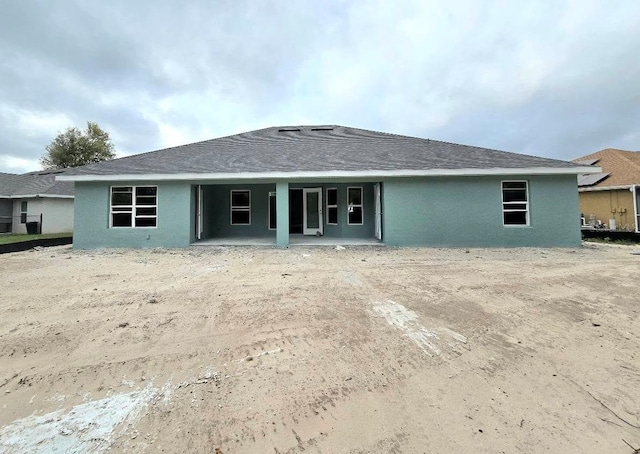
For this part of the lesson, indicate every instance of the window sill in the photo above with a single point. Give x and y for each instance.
(122, 228)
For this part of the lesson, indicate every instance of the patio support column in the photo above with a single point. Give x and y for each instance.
(282, 209)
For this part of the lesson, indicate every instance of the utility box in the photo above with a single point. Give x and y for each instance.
(33, 227)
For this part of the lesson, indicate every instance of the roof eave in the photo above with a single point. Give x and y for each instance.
(574, 170)
(41, 196)
(605, 188)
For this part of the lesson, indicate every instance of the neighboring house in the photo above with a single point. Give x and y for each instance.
(614, 193)
(283, 182)
(35, 200)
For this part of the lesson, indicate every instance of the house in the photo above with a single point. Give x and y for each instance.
(284, 183)
(611, 196)
(35, 200)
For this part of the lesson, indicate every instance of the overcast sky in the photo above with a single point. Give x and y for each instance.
(549, 78)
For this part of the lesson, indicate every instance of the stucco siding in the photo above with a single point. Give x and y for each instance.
(217, 211)
(467, 211)
(91, 220)
(436, 211)
(606, 205)
(34, 209)
(57, 215)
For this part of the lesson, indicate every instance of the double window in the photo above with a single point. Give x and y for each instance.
(354, 200)
(240, 207)
(134, 206)
(515, 203)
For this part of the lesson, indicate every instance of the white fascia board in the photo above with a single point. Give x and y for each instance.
(605, 188)
(41, 196)
(333, 174)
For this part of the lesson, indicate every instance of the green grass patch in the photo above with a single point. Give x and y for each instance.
(19, 238)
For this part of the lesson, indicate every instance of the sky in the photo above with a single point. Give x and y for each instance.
(559, 79)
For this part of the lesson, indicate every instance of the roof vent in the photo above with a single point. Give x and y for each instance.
(289, 129)
(51, 172)
(322, 129)
(587, 162)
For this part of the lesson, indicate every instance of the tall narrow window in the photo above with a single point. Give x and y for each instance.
(23, 212)
(515, 203)
(241, 207)
(134, 206)
(332, 206)
(273, 216)
(354, 199)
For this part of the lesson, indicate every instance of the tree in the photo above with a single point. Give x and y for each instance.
(74, 148)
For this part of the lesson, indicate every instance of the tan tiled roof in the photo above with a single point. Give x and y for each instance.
(622, 166)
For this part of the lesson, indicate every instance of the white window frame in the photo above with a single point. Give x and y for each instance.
(133, 208)
(271, 194)
(361, 205)
(24, 213)
(239, 208)
(526, 203)
(332, 206)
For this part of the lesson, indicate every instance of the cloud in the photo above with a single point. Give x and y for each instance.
(557, 79)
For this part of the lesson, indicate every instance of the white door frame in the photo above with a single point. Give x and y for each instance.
(378, 211)
(313, 231)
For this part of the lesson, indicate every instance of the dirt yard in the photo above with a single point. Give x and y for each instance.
(361, 350)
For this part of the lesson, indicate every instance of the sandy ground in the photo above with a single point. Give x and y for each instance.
(225, 350)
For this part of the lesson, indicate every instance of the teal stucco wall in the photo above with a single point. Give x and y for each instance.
(91, 219)
(467, 211)
(434, 211)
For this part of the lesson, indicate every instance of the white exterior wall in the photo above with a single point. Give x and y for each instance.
(34, 208)
(57, 214)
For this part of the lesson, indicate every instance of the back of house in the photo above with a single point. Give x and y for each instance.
(284, 185)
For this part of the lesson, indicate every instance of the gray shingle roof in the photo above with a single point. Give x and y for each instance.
(315, 149)
(35, 183)
(8, 183)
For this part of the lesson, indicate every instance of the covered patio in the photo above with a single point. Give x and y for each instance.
(317, 213)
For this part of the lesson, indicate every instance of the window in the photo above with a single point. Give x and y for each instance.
(332, 206)
(134, 206)
(273, 217)
(23, 212)
(515, 203)
(354, 198)
(241, 207)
